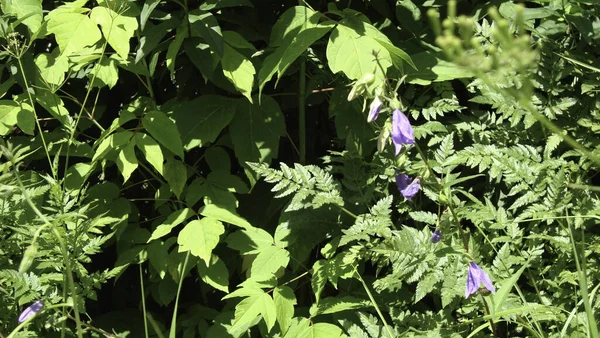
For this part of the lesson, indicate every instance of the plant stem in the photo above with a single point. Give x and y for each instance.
(143, 301)
(302, 108)
(385, 324)
(172, 331)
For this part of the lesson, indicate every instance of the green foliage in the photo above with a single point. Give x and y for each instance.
(138, 142)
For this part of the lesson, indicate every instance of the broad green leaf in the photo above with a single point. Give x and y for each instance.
(163, 130)
(52, 67)
(290, 23)
(26, 118)
(319, 278)
(28, 10)
(299, 328)
(106, 73)
(172, 221)
(76, 176)
(127, 162)
(224, 215)
(152, 35)
(215, 274)
(326, 330)
(151, 150)
(217, 188)
(205, 25)
(54, 105)
(238, 70)
(337, 304)
(269, 260)
(112, 142)
(398, 55)
(6, 85)
(256, 129)
(200, 237)
(291, 49)
(116, 28)
(201, 120)
(285, 300)
(217, 4)
(218, 159)
(158, 255)
(433, 69)
(8, 115)
(147, 8)
(73, 31)
(253, 306)
(235, 40)
(175, 173)
(174, 46)
(201, 56)
(351, 47)
(250, 240)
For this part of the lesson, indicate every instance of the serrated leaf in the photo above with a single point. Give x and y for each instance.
(173, 220)
(337, 304)
(105, 73)
(30, 11)
(269, 260)
(224, 215)
(52, 67)
(151, 150)
(127, 162)
(73, 31)
(164, 131)
(256, 129)
(326, 330)
(238, 70)
(200, 237)
(253, 306)
(116, 28)
(285, 300)
(215, 274)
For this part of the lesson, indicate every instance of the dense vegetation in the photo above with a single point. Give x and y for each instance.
(262, 168)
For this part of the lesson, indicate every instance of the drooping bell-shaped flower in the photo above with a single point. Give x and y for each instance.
(407, 186)
(436, 236)
(402, 131)
(475, 277)
(30, 311)
(374, 109)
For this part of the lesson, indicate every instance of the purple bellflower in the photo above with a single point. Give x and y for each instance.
(436, 236)
(374, 109)
(31, 311)
(475, 277)
(407, 186)
(402, 131)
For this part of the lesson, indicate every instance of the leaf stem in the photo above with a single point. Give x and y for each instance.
(366, 287)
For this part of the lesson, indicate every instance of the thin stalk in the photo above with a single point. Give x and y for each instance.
(172, 331)
(487, 309)
(143, 301)
(366, 287)
(302, 108)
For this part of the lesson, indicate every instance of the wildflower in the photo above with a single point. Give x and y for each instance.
(374, 109)
(407, 188)
(475, 277)
(436, 236)
(402, 131)
(31, 311)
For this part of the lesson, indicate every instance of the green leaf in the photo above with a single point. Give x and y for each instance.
(151, 150)
(8, 116)
(299, 328)
(172, 221)
(158, 255)
(433, 69)
(147, 8)
(106, 73)
(504, 290)
(26, 118)
(30, 11)
(337, 304)
(174, 46)
(350, 50)
(256, 129)
(217, 4)
(52, 67)
(398, 55)
(253, 306)
(235, 40)
(127, 162)
(116, 28)
(269, 260)
(163, 130)
(290, 22)
(327, 330)
(175, 173)
(205, 25)
(201, 120)
(238, 70)
(290, 49)
(285, 300)
(112, 142)
(319, 278)
(224, 215)
(200, 237)
(215, 274)
(201, 56)
(72, 31)
(54, 105)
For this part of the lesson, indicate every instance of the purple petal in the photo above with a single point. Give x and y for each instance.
(436, 236)
(472, 280)
(487, 282)
(374, 109)
(412, 189)
(402, 131)
(402, 181)
(30, 311)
